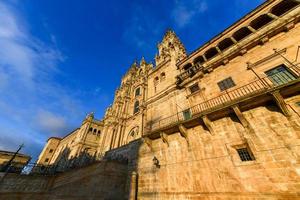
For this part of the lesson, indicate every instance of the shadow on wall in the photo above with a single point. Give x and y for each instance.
(82, 177)
(15, 167)
(116, 169)
(129, 155)
(63, 163)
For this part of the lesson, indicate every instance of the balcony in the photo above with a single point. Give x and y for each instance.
(255, 89)
(188, 73)
(239, 42)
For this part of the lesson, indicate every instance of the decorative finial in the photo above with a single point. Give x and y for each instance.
(90, 115)
(143, 61)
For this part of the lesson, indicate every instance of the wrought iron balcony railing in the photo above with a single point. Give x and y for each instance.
(259, 86)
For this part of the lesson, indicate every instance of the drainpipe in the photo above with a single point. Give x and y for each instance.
(261, 80)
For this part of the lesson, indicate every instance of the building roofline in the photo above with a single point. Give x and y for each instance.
(57, 138)
(231, 27)
(70, 133)
(12, 153)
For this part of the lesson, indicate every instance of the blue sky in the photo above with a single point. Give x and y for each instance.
(60, 59)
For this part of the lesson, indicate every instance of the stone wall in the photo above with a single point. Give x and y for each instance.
(105, 180)
(210, 168)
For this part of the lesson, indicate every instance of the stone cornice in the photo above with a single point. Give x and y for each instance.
(232, 27)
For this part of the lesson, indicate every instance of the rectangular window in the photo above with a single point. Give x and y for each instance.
(194, 88)
(47, 159)
(280, 75)
(51, 150)
(187, 114)
(245, 154)
(226, 84)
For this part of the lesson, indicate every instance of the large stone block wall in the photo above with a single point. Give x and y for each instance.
(100, 181)
(105, 180)
(210, 168)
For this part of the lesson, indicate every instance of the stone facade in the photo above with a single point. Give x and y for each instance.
(79, 145)
(18, 163)
(220, 123)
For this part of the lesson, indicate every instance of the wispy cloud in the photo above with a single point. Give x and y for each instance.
(22, 56)
(47, 121)
(184, 11)
(30, 98)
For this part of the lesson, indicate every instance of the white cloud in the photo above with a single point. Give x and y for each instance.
(22, 56)
(29, 95)
(184, 11)
(49, 122)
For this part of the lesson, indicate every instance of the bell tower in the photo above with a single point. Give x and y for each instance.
(171, 48)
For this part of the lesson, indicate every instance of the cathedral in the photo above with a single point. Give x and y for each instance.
(222, 122)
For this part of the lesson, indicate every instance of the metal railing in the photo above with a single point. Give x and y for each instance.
(60, 166)
(34, 168)
(228, 97)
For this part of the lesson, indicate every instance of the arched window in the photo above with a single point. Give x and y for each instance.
(241, 33)
(260, 21)
(284, 6)
(91, 129)
(132, 133)
(210, 53)
(136, 107)
(162, 76)
(199, 60)
(226, 43)
(156, 79)
(187, 66)
(138, 92)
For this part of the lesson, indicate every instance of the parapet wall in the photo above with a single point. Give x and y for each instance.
(104, 180)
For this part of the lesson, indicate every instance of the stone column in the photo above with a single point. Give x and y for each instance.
(117, 137)
(133, 186)
(105, 133)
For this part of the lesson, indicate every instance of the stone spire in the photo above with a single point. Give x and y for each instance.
(146, 67)
(143, 61)
(171, 48)
(89, 117)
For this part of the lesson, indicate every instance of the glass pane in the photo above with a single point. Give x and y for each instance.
(226, 84)
(187, 114)
(280, 75)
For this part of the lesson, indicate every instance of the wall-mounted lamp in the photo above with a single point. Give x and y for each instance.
(156, 162)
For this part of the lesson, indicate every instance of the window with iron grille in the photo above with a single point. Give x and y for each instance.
(194, 88)
(245, 154)
(280, 75)
(226, 84)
